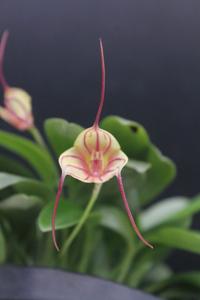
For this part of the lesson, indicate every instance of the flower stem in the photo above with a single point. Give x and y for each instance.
(82, 220)
(125, 264)
(87, 248)
(37, 137)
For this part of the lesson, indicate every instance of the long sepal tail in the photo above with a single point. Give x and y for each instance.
(60, 187)
(101, 103)
(126, 205)
(3, 44)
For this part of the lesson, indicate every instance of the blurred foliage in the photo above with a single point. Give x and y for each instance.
(106, 246)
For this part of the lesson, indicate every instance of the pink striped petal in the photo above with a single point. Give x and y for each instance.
(13, 120)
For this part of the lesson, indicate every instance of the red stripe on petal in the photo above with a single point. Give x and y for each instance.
(86, 178)
(78, 168)
(115, 159)
(21, 105)
(85, 143)
(108, 171)
(97, 140)
(109, 144)
(75, 157)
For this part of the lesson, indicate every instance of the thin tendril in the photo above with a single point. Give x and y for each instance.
(96, 123)
(2, 53)
(126, 205)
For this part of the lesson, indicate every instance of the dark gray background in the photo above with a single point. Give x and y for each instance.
(152, 53)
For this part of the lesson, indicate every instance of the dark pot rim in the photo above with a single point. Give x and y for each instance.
(38, 283)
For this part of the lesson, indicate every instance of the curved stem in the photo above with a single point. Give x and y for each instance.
(125, 264)
(87, 249)
(37, 137)
(82, 220)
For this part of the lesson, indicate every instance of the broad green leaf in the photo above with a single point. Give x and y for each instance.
(180, 293)
(77, 188)
(68, 214)
(7, 180)
(140, 188)
(192, 207)
(144, 261)
(161, 212)
(114, 219)
(158, 177)
(10, 165)
(138, 166)
(61, 134)
(37, 157)
(2, 247)
(19, 202)
(24, 185)
(133, 182)
(158, 273)
(177, 238)
(36, 188)
(187, 282)
(136, 144)
(131, 135)
(191, 278)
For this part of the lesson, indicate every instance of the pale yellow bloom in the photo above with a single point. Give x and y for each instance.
(96, 157)
(17, 109)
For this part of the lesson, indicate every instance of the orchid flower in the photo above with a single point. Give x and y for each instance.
(96, 157)
(17, 109)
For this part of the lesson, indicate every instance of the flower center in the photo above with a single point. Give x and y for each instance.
(96, 163)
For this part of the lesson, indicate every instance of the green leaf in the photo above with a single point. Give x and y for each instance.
(115, 220)
(177, 238)
(168, 211)
(141, 188)
(132, 137)
(161, 173)
(10, 165)
(139, 166)
(36, 188)
(2, 247)
(136, 144)
(24, 185)
(161, 212)
(191, 278)
(7, 180)
(192, 207)
(68, 214)
(37, 157)
(19, 202)
(187, 282)
(180, 293)
(61, 134)
(159, 272)
(143, 262)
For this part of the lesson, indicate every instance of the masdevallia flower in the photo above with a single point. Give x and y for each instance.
(96, 157)
(17, 109)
